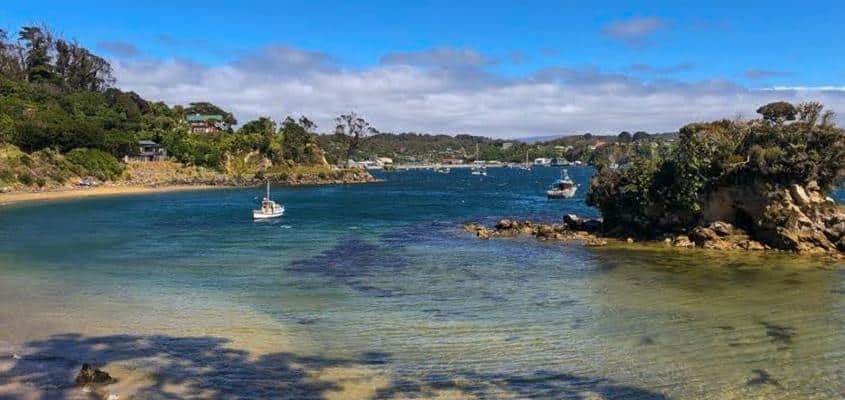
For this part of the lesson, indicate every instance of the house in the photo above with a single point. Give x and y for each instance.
(599, 144)
(384, 161)
(452, 161)
(507, 145)
(149, 151)
(206, 123)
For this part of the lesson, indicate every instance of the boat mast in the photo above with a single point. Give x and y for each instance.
(268, 189)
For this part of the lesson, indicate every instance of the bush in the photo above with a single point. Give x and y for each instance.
(26, 178)
(98, 163)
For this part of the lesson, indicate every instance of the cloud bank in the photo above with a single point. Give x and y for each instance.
(451, 91)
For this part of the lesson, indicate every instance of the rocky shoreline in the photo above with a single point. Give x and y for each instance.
(589, 232)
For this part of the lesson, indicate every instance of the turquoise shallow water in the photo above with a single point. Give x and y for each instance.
(380, 277)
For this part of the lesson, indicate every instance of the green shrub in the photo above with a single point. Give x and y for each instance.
(26, 179)
(98, 163)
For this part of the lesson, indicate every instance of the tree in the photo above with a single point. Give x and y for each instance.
(36, 57)
(353, 128)
(624, 137)
(205, 107)
(262, 126)
(778, 112)
(640, 135)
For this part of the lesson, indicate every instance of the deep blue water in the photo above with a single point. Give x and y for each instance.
(382, 275)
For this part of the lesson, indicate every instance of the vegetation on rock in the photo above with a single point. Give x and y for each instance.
(766, 176)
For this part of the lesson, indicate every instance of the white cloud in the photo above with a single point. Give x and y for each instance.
(402, 96)
(634, 32)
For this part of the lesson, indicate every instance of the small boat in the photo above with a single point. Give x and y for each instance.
(527, 165)
(479, 171)
(269, 208)
(562, 188)
(442, 170)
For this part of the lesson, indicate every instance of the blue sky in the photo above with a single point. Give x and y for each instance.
(459, 58)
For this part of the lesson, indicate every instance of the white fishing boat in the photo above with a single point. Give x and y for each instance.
(442, 170)
(269, 208)
(563, 188)
(479, 170)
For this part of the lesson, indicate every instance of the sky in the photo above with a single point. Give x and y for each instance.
(493, 68)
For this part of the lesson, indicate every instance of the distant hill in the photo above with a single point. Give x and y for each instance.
(535, 139)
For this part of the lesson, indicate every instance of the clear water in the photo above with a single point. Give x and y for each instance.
(374, 291)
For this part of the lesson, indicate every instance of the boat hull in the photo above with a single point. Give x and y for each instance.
(259, 214)
(561, 194)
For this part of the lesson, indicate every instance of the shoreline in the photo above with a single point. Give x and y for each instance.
(7, 199)
(11, 198)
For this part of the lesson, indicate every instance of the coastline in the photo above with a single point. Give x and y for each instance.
(11, 198)
(7, 199)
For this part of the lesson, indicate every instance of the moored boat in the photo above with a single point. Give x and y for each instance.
(269, 208)
(562, 188)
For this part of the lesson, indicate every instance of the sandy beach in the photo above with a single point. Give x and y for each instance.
(63, 194)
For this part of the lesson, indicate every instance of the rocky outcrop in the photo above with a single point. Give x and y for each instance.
(572, 228)
(718, 235)
(89, 375)
(795, 218)
(326, 177)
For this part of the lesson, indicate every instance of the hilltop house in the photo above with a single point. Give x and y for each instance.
(206, 123)
(148, 151)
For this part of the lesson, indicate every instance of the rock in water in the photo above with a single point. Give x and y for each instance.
(505, 224)
(572, 222)
(90, 375)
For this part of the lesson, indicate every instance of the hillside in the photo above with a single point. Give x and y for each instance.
(62, 121)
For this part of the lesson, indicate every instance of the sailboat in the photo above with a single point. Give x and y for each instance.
(527, 165)
(478, 167)
(562, 188)
(269, 208)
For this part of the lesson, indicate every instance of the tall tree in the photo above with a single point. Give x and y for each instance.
(640, 135)
(36, 54)
(353, 128)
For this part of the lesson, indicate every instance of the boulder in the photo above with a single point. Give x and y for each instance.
(572, 222)
(799, 195)
(722, 228)
(702, 234)
(484, 233)
(505, 224)
(90, 375)
(752, 245)
(545, 230)
(682, 241)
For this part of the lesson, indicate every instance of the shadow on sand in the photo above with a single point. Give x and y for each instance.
(204, 367)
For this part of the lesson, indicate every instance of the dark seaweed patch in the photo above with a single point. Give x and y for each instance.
(351, 262)
(725, 327)
(646, 341)
(761, 377)
(778, 333)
